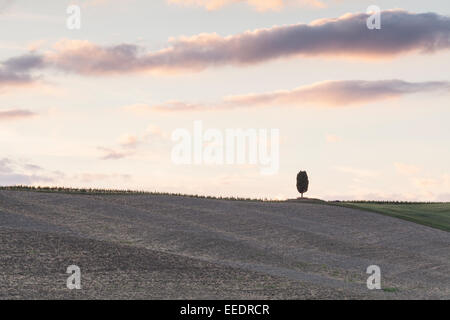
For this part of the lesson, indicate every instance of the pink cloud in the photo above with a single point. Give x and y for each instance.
(129, 141)
(402, 32)
(16, 114)
(328, 93)
(260, 5)
(12, 79)
(130, 144)
(111, 154)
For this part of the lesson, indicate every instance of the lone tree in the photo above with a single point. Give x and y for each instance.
(302, 182)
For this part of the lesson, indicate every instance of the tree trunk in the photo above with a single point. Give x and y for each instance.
(302, 195)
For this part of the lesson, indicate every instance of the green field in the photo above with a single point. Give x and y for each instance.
(436, 215)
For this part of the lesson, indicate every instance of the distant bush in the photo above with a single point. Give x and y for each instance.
(91, 191)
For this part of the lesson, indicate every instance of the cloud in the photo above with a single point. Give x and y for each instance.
(151, 134)
(406, 169)
(86, 58)
(112, 154)
(332, 138)
(402, 32)
(8, 78)
(442, 182)
(430, 187)
(328, 93)
(260, 5)
(425, 188)
(129, 143)
(16, 172)
(434, 187)
(16, 71)
(341, 93)
(15, 114)
(24, 63)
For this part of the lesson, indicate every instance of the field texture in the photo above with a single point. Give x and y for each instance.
(436, 215)
(173, 247)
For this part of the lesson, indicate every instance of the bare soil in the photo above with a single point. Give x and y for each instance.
(174, 247)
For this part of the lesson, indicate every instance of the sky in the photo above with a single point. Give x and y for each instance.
(364, 111)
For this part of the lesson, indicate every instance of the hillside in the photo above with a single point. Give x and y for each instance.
(162, 246)
(436, 215)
